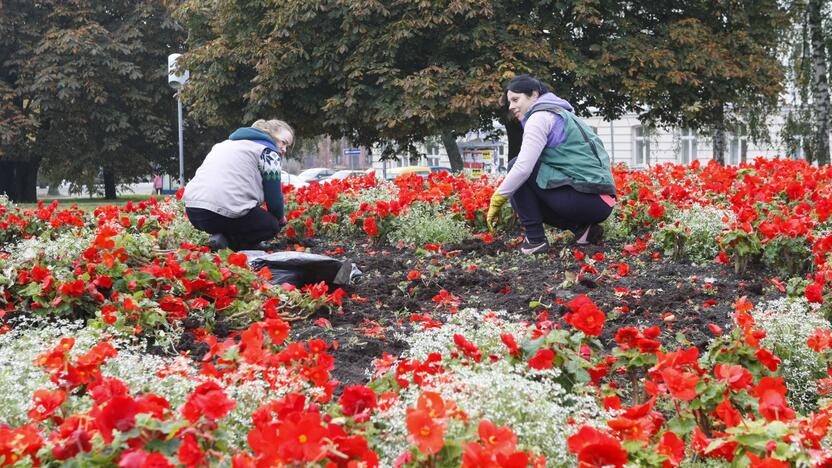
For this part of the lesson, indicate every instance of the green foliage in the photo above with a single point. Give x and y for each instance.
(428, 224)
(688, 61)
(743, 247)
(367, 70)
(402, 71)
(672, 238)
(789, 256)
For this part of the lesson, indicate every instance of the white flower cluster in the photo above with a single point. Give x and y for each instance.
(788, 324)
(20, 377)
(614, 228)
(483, 328)
(8, 275)
(425, 223)
(531, 402)
(62, 249)
(705, 224)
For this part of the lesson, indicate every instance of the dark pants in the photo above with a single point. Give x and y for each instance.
(562, 207)
(242, 233)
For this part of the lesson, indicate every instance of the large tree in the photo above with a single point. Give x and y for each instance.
(821, 103)
(806, 129)
(397, 70)
(697, 64)
(86, 81)
(367, 70)
(20, 26)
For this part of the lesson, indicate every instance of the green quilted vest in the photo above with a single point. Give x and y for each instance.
(580, 161)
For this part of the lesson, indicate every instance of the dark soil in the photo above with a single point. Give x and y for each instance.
(495, 276)
(504, 279)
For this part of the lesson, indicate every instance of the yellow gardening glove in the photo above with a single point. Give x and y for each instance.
(497, 202)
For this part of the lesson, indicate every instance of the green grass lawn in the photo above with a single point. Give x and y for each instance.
(87, 203)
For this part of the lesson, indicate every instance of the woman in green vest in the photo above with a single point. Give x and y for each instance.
(562, 175)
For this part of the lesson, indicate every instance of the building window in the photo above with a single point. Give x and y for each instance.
(687, 151)
(737, 145)
(502, 150)
(641, 146)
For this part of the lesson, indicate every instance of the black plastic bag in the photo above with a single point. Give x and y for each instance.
(302, 268)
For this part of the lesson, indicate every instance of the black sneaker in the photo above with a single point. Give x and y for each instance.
(528, 248)
(217, 242)
(592, 234)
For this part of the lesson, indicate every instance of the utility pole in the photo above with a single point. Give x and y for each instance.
(176, 81)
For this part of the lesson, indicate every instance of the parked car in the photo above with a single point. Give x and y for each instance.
(315, 174)
(344, 173)
(292, 179)
(394, 172)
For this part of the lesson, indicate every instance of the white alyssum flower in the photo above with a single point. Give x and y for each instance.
(788, 323)
(62, 249)
(482, 328)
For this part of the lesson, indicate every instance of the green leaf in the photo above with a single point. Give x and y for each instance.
(530, 347)
(681, 425)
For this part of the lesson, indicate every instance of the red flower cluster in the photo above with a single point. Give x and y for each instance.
(468, 349)
(496, 447)
(290, 431)
(585, 315)
(595, 448)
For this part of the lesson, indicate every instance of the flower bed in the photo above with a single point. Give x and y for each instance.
(696, 334)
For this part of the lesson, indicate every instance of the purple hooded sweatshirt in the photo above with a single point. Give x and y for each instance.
(542, 129)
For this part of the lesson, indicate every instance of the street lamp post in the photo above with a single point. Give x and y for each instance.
(176, 81)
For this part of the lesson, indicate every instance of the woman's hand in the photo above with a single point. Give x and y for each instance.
(497, 202)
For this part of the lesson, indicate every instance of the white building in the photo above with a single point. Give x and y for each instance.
(628, 142)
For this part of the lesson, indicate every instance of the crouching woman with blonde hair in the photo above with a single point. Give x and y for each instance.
(236, 177)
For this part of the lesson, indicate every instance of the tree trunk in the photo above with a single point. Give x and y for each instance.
(449, 140)
(18, 180)
(30, 181)
(109, 184)
(719, 137)
(820, 85)
(743, 152)
(514, 134)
